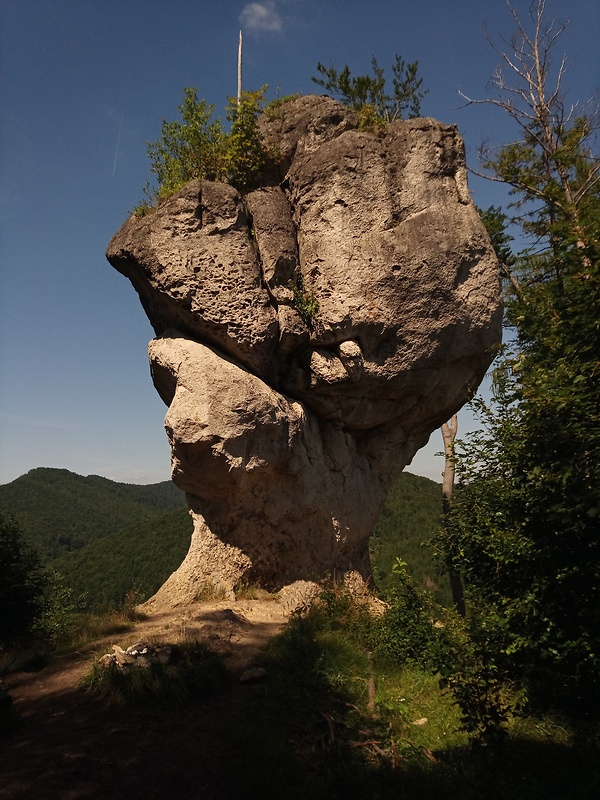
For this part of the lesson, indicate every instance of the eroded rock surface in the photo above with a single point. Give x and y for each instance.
(287, 427)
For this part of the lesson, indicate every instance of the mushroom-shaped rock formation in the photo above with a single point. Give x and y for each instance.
(310, 337)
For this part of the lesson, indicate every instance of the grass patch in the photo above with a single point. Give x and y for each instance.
(209, 592)
(88, 626)
(193, 672)
(337, 720)
(252, 591)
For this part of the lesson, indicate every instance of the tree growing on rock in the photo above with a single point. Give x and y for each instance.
(366, 93)
(192, 147)
(197, 146)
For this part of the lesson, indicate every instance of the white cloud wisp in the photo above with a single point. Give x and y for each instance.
(261, 17)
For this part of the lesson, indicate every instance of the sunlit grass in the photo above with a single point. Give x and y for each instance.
(336, 721)
(193, 672)
(408, 696)
(87, 627)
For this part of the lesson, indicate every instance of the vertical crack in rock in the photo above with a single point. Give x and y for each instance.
(286, 436)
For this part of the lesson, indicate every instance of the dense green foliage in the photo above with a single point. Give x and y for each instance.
(366, 93)
(59, 512)
(191, 148)
(405, 633)
(524, 526)
(35, 603)
(96, 541)
(138, 558)
(198, 147)
(22, 585)
(247, 157)
(409, 519)
(338, 719)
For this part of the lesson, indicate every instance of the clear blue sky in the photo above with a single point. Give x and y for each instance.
(84, 85)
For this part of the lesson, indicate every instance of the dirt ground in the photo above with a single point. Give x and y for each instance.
(70, 746)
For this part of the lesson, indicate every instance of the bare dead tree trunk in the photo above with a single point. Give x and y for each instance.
(531, 93)
(239, 85)
(449, 431)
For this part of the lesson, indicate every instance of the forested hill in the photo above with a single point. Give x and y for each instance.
(109, 538)
(138, 558)
(411, 515)
(59, 511)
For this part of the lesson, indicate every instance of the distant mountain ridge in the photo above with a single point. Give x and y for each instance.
(60, 511)
(108, 538)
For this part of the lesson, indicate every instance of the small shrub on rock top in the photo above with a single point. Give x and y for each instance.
(366, 93)
(198, 147)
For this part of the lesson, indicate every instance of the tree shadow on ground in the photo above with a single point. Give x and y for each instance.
(248, 741)
(296, 735)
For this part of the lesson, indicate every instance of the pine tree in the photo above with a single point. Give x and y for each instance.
(366, 93)
(524, 528)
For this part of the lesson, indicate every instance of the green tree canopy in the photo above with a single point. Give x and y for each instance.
(367, 92)
(193, 147)
(198, 147)
(22, 585)
(525, 523)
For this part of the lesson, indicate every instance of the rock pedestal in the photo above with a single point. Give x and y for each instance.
(310, 337)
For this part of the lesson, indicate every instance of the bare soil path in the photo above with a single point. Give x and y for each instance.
(70, 746)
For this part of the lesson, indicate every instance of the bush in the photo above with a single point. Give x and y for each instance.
(191, 148)
(406, 634)
(23, 583)
(469, 668)
(246, 157)
(58, 613)
(366, 93)
(415, 633)
(193, 672)
(198, 147)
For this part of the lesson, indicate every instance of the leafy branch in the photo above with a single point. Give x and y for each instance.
(367, 92)
(198, 147)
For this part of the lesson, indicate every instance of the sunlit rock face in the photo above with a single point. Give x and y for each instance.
(310, 337)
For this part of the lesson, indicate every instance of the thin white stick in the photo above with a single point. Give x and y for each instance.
(239, 91)
(118, 143)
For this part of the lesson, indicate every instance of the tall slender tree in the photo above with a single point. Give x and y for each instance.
(449, 432)
(523, 529)
(239, 72)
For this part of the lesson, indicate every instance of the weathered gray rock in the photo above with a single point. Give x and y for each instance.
(288, 429)
(276, 241)
(393, 249)
(140, 654)
(275, 495)
(193, 263)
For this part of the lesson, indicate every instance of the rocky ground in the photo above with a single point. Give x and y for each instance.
(68, 745)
